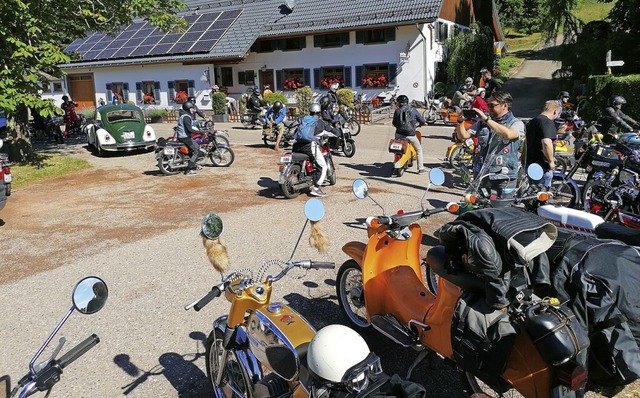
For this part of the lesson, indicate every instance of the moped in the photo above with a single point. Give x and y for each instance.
(89, 296)
(404, 154)
(382, 287)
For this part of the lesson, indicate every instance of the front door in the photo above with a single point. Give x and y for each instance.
(266, 77)
(82, 90)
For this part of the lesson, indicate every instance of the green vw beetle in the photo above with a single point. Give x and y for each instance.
(119, 128)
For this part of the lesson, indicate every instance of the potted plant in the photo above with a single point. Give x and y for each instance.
(219, 105)
(180, 97)
(148, 98)
(156, 114)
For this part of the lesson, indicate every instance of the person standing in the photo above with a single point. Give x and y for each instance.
(184, 131)
(541, 133)
(405, 120)
(500, 135)
(489, 82)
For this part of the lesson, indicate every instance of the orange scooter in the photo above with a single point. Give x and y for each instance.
(382, 287)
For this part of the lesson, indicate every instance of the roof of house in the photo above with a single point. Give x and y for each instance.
(271, 18)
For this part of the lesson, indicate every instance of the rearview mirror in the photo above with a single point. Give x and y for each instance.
(89, 295)
(360, 188)
(314, 209)
(436, 176)
(212, 226)
(535, 172)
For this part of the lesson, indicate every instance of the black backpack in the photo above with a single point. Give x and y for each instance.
(406, 121)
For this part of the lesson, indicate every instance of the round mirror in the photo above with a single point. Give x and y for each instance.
(436, 176)
(535, 172)
(360, 188)
(314, 209)
(89, 295)
(212, 226)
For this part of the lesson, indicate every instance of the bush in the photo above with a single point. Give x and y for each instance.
(304, 99)
(440, 88)
(346, 96)
(273, 97)
(156, 111)
(218, 103)
(88, 112)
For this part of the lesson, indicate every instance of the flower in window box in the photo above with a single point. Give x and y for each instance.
(328, 81)
(375, 81)
(180, 97)
(292, 84)
(148, 98)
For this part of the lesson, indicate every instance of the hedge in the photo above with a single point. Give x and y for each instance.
(601, 87)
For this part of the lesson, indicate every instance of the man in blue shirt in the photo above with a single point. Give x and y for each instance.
(275, 119)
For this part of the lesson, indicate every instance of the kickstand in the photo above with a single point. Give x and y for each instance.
(421, 356)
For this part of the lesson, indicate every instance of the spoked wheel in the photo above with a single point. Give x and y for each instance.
(430, 115)
(265, 140)
(473, 385)
(233, 383)
(350, 291)
(593, 195)
(399, 171)
(222, 140)
(564, 194)
(349, 148)
(562, 164)
(457, 155)
(291, 178)
(332, 173)
(170, 164)
(353, 126)
(432, 280)
(222, 157)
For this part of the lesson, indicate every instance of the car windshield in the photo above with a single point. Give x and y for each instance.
(121, 115)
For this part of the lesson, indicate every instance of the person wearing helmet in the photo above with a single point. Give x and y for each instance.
(565, 114)
(479, 101)
(255, 103)
(70, 116)
(275, 116)
(198, 111)
(311, 145)
(406, 120)
(335, 100)
(327, 114)
(614, 120)
(184, 130)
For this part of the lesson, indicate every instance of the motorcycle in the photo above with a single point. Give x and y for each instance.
(344, 143)
(89, 296)
(173, 156)
(404, 154)
(254, 119)
(382, 287)
(270, 133)
(388, 97)
(220, 136)
(298, 171)
(461, 151)
(439, 110)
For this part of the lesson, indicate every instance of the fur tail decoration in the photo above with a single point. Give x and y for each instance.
(317, 238)
(217, 253)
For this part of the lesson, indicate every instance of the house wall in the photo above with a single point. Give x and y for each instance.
(415, 73)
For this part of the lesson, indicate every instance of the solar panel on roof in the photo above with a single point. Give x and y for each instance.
(203, 45)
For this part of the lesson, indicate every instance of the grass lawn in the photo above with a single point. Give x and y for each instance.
(45, 166)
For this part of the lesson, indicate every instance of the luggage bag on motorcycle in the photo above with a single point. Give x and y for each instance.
(555, 332)
(398, 146)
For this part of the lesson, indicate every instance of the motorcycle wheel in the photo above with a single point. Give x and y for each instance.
(473, 385)
(456, 156)
(432, 280)
(265, 140)
(562, 164)
(593, 195)
(8, 190)
(353, 126)
(332, 173)
(349, 148)
(292, 177)
(564, 194)
(430, 115)
(167, 165)
(234, 383)
(222, 157)
(222, 140)
(350, 292)
(398, 172)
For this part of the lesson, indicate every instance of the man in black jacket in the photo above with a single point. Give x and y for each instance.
(614, 120)
(407, 130)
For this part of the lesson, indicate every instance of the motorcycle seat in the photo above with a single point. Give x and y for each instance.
(437, 259)
(299, 157)
(608, 230)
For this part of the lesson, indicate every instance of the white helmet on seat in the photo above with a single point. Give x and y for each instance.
(339, 355)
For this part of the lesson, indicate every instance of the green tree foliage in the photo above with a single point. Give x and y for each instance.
(468, 52)
(218, 103)
(524, 16)
(304, 99)
(346, 96)
(273, 97)
(34, 33)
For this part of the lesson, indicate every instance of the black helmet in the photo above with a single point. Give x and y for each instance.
(256, 91)
(277, 106)
(402, 99)
(187, 105)
(616, 100)
(563, 94)
(324, 102)
(65, 98)
(192, 99)
(314, 109)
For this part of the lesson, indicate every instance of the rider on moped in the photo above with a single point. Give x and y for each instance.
(255, 104)
(404, 132)
(198, 112)
(184, 130)
(275, 117)
(613, 119)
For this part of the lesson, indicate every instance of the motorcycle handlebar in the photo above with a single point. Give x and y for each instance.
(322, 265)
(215, 292)
(78, 351)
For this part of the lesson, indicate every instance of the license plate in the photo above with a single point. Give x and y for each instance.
(169, 151)
(128, 135)
(7, 178)
(563, 392)
(285, 159)
(395, 147)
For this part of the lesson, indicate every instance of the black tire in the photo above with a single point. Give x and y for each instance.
(349, 148)
(432, 280)
(222, 157)
(8, 189)
(291, 178)
(222, 140)
(430, 115)
(165, 163)
(596, 189)
(473, 385)
(562, 164)
(332, 173)
(265, 140)
(233, 376)
(564, 194)
(456, 156)
(354, 126)
(398, 172)
(99, 151)
(350, 292)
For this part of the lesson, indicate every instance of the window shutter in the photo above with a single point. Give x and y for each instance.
(306, 76)
(250, 78)
(390, 34)
(358, 82)
(156, 92)
(360, 37)
(125, 92)
(316, 78)
(139, 93)
(172, 90)
(436, 32)
(344, 38)
(191, 88)
(347, 76)
(279, 79)
(303, 42)
(109, 93)
(318, 41)
(241, 77)
(393, 72)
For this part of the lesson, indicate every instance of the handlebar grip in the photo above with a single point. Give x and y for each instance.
(215, 292)
(322, 265)
(78, 351)
(431, 212)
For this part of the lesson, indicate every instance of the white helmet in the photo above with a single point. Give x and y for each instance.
(481, 90)
(338, 354)
(335, 86)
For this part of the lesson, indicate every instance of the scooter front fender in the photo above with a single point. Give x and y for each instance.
(355, 250)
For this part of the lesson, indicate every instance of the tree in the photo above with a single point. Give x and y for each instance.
(525, 16)
(34, 33)
(468, 51)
